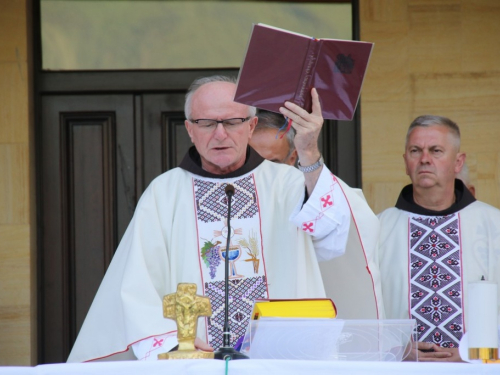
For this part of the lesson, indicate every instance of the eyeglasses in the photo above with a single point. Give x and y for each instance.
(210, 125)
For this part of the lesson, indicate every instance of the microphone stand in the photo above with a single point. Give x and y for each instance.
(227, 351)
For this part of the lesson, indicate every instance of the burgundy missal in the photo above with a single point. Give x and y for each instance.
(281, 66)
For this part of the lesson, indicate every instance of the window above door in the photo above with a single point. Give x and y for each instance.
(131, 34)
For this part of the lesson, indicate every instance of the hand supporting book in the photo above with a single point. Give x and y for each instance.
(307, 129)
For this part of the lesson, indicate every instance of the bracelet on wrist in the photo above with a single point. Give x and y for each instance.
(312, 167)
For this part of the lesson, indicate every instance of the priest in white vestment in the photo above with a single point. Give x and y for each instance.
(435, 241)
(283, 221)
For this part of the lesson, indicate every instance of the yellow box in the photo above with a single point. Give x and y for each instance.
(297, 308)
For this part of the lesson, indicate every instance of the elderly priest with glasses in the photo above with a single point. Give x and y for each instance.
(283, 222)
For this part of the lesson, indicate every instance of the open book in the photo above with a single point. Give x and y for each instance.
(281, 66)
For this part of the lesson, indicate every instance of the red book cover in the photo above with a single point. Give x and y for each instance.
(281, 66)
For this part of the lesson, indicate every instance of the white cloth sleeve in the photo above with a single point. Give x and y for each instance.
(325, 216)
(149, 348)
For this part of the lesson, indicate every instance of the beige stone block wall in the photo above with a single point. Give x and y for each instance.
(17, 218)
(430, 57)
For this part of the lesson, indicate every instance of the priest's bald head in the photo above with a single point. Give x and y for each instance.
(219, 127)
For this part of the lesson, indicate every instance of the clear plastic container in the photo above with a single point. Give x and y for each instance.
(329, 339)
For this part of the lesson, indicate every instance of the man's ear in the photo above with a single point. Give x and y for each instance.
(406, 164)
(292, 159)
(189, 128)
(253, 124)
(461, 156)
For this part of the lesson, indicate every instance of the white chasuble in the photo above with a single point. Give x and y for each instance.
(178, 234)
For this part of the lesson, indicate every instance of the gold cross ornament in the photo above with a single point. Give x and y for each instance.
(185, 307)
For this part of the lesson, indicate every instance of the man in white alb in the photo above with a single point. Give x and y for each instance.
(283, 221)
(436, 240)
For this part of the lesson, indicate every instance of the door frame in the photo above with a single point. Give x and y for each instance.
(343, 159)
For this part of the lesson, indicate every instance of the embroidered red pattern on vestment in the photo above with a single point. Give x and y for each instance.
(435, 285)
(325, 202)
(246, 269)
(243, 292)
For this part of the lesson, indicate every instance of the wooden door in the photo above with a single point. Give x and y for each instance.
(98, 153)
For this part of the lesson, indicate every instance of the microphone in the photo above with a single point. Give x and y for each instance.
(229, 192)
(227, 351)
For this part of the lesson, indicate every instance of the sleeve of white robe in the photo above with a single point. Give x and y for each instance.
(325, 216)
(131, 291)
(148, 349)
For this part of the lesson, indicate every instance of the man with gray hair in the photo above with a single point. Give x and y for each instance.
(271, 142)
(436, 240)
(283, 222)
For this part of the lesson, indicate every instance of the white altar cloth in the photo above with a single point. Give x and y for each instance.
(253, 367)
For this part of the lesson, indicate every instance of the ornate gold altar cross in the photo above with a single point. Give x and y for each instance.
(185, 306)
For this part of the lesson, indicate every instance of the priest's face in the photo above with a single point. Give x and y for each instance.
(222, 146)
(432, 157)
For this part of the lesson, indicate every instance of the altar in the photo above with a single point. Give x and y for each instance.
(253, 367)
